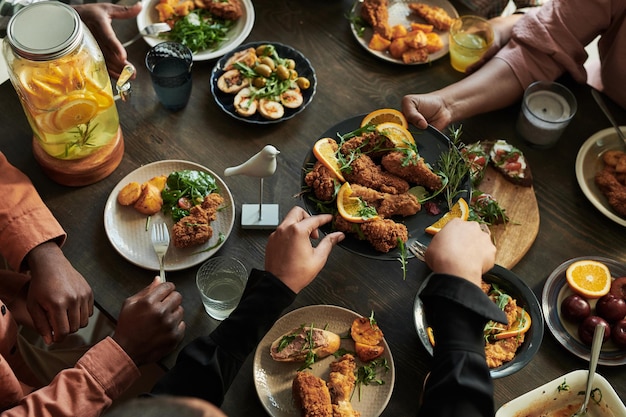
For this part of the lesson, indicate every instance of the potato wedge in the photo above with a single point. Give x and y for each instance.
(129, 194)
(150, 201)
(368, 353)
(158, 182)
(365, 331)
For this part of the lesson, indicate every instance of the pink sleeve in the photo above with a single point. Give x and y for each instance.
(25, 221)
(551, 40)
(100, 376)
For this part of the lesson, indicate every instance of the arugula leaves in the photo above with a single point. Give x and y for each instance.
(200, 30)
(186, 184)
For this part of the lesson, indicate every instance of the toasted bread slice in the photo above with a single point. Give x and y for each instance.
(476, 156)
(510, 162)
(297, 344)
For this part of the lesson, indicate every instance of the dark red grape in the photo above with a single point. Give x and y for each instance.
(618, 334)
(575, 308)
(588, 326)
(611, 308)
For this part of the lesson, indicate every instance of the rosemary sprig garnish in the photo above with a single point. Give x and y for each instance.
(402, 258)
(453, 166)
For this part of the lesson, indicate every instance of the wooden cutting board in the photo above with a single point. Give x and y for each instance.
(514, 239)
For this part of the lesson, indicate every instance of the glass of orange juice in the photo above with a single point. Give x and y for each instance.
(470, 37)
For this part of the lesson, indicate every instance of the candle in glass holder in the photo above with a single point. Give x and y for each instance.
(547, 109)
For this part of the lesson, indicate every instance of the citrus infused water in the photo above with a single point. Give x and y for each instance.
(69, 103)
(466, 49)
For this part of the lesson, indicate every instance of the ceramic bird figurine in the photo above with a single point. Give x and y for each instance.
(262, 165)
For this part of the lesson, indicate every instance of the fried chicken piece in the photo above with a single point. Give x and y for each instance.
(388, 205)
(375, 13)
(341, 382)
(368, 143)
(195, 229)
(614, 191)
(382, 234)
(322, 181)
(502, 351)
(311, 395)
(225, 9)
(365, 172)
(433, 15)
(416, 171)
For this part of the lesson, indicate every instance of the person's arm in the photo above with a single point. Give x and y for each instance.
(457, 310)
(208, 365)
(59, 299)
(150, 325)
(98, 17)
(492, 87)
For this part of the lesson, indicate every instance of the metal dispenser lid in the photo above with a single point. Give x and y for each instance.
(44, 31)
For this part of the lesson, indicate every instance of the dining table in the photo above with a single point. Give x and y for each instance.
(350, 81)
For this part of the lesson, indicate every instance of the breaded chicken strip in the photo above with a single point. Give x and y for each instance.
(433, 15)
(311, 395)
(364, 171)
(387, 205)
(371, 143)
(322, 181)
(375, 13)
(382, 234)
(341, 382)
(415, 171)
(225, 9)
(614, 191)
(195, 229)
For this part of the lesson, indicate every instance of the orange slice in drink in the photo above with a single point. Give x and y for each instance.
(325, 150)
(76, 111)
(591, 279)
(399, 135)
(460, 210)
(354, 209)
(383, 116)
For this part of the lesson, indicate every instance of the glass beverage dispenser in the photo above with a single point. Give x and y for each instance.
(58, 71)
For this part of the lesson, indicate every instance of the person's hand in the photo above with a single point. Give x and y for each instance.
(422, 109)
(289, 254)
(502, 28)
(98, 17)
(59, 299)
(151, 322)
(463, 249)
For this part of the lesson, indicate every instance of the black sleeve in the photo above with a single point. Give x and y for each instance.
(208, 365)
(459, 383)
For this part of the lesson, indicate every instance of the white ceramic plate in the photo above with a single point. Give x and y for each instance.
(548, 398)
(238, 33)
(589, 162)
(126, 227)
(400, 14)
(273, 379)
(566, 333)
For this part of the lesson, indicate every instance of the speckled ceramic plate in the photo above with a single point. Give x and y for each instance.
(237, 34)
(589, 162)
(273, 379)
(516, 288)
(126, 227)
(399, 13)
(566, 333)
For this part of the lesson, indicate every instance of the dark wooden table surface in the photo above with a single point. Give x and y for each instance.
(350, 82)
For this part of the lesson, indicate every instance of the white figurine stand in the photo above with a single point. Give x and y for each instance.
(263, 164)
(259, 216)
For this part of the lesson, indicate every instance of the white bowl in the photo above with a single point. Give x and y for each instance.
(549, 398)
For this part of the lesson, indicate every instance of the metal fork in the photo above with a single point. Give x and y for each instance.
(160, 241)
(418, 249)
(150, 30)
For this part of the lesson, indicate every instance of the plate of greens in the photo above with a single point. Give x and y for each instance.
(217, 37)
(129, 231)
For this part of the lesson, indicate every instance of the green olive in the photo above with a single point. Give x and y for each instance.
(282, 72)
(269, 62)
(293, 74)
(262, 50)
(290, 63)
(303, 82)
(259, 82)
(263, 69)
